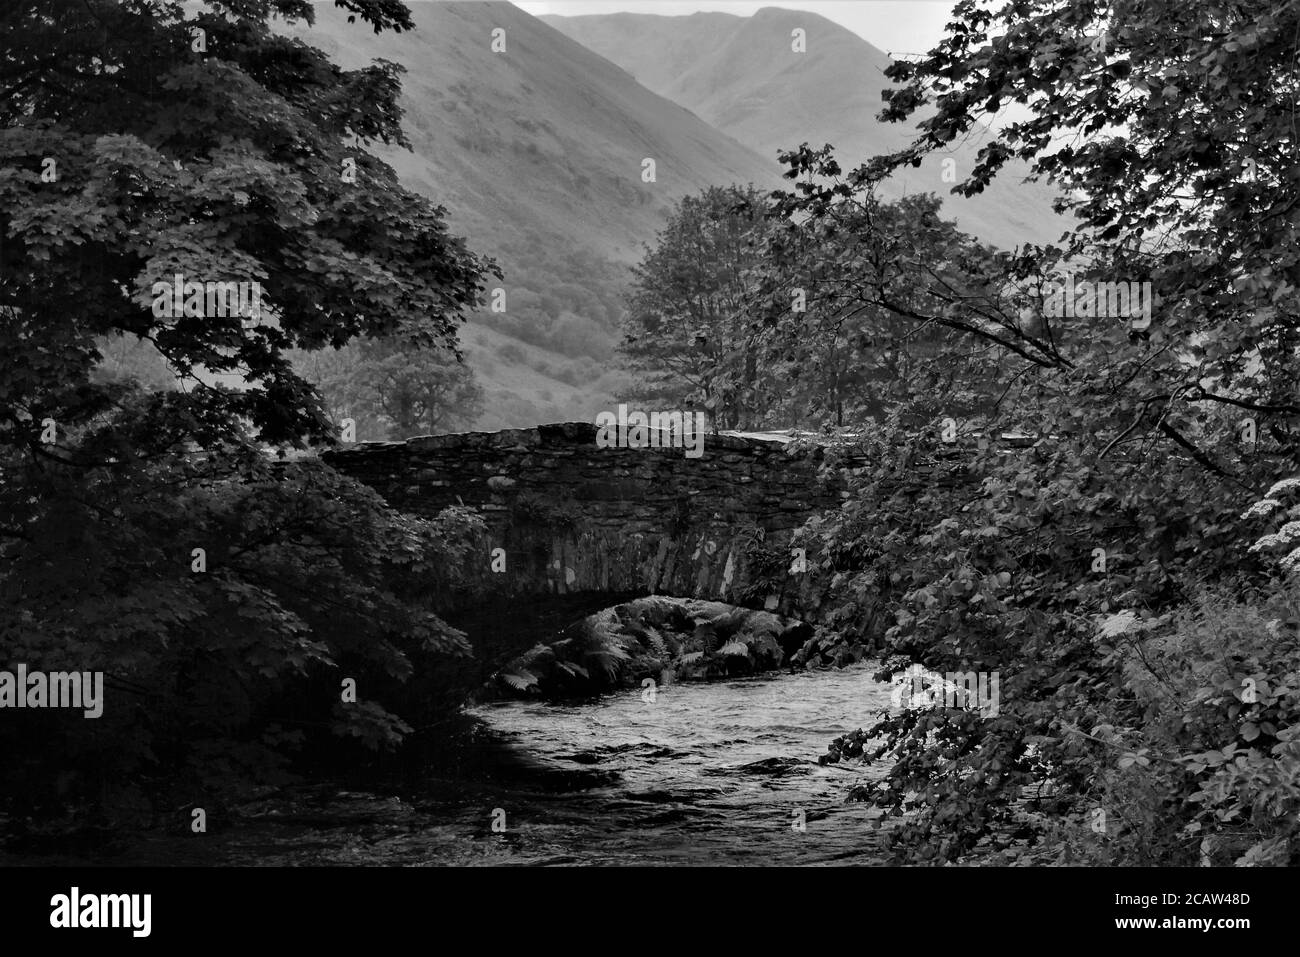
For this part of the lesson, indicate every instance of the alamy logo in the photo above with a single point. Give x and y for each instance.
(1087, 299)
(75, 909)
(917, 687)
(55, 689)
(207, 299)
(636, 430)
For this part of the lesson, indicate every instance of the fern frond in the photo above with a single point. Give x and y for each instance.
(658, 645)
(520, 681)
(573, 669)
(607, 662)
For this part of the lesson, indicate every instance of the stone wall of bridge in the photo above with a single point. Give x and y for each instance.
(578, 520)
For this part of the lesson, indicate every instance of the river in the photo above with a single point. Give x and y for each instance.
(708, 773)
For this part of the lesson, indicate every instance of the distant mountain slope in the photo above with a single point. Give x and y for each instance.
(741, 75)
(537, 155)
(545, 134)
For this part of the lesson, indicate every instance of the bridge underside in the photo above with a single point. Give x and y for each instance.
(553, 578)
(574, 527)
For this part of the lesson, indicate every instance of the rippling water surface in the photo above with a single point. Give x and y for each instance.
(712, 773)
(707, 773)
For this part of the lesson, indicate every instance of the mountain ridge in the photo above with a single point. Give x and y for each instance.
(755, 87)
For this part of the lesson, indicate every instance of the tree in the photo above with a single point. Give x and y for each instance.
(686, 328)
(145, 181)
(143, 530)
(837, 352)
(393, 393)
(1106, 571)
(1168, 129)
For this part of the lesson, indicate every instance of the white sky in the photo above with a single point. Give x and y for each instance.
(895, 26)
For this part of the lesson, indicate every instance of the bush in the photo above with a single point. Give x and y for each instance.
(199, 704)
(1147, 711)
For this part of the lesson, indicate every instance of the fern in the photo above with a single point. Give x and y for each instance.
(535, 655)
(658, 645)
(573, 669)
(734, 647)
(609, 657)
(521, 680)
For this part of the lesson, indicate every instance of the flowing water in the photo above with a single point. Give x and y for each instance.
(717, 773)
(707, 773)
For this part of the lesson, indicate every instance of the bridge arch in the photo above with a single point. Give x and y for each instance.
(582, 527)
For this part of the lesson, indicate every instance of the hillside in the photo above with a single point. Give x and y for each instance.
(741, 75)
(537, 155)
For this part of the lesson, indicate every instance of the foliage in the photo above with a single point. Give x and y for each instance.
(843, 295)
(142, 140)
(761, 309)
(151, 184)
(1179, 172)
(659, 638)
(394, 393)
(998, 576)
(1103, 567)
(307, 578)
(562, 298)
(591, 658)
(686, 329)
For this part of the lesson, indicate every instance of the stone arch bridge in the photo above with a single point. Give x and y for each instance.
(583, 527)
